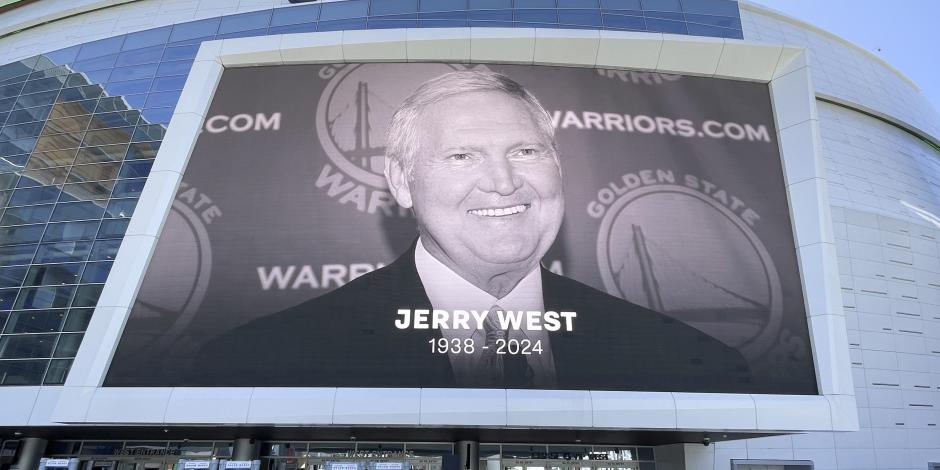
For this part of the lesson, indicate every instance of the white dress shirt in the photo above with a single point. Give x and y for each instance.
(448, 291)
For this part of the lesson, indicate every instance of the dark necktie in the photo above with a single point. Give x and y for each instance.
(502, 370)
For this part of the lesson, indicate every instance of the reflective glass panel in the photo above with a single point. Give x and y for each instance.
(52, 274)
(35, 321)
(26, 346)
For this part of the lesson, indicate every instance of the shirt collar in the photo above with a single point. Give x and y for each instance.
(448, 291)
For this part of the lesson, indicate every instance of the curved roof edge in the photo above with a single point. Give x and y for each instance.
(38, 13)
(754, 7)
(886, 118)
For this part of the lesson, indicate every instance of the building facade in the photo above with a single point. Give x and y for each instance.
(92, 92)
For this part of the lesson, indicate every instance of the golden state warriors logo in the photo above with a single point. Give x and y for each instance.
(681, 245)
(352, 118)
(185, 270)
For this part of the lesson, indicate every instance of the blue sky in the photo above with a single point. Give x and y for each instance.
(905, 33)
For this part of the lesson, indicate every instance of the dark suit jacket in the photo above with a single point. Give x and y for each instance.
(347, 338)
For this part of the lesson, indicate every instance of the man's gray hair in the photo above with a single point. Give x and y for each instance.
(402, 143)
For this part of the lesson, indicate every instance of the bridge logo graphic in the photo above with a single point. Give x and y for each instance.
(355, 109)
(678, 251)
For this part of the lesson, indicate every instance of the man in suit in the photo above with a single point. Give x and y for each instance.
(473, 154)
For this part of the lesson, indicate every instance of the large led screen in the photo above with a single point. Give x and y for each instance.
(476, 226)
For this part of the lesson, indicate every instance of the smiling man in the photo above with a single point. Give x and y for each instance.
(473, 154)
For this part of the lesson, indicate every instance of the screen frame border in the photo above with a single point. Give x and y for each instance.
(785, 69)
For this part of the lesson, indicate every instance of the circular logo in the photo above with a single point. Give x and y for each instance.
(677, 251)
(356, 108)
(183, 270)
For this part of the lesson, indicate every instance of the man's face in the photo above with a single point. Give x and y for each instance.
(486, 186)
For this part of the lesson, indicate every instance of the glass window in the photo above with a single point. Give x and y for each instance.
(295, 28)
(20, 234)
(74, 108)
(10, 164)
(537, 16)
(577, 3)
(16, 254)
(28, 115)
(163, 99)
(68, 344)
(158, 115)
(130, 87)
(51, 158)
(44, 297)
(491, 15)
(245, 21)
(579, 17)
(664, 15)
(443, 5)
(180, 52)
(136, 169)
(38, 195)
(341, 10)
(35, 321)
(535, 3)
(105, 250)
(30, 129)
(26, 215)
(149, 133)
(113, 228)
(147, 55)
(179, 67)
(621, 4)
(714, 31)
(129, 188)
(635, 23)
(70, 231)
(43, 84)
(7, 91)
(119, 135)
(22, 372)
(44, 177)
(12, 276)
(3, 319)
(194, 30)
(105, 153)
(58, 371)
(712, 7)
(7, 296)
(147, 38)
(87, 296)
(35, 99)
(78, 211)
(62, 252)
(484, 4)
(8, 180)
(94, 172)
(53, 274)
(393, 7)
(79, 93)
(69, 124)
(666, 26)
(78, 319)
(142, 150)
(17, 147)
(133, 72)
(295, 15)
(86, 191)
(59, 141)
(101, 448)
(115, 119)
(114, 103)
(96, 273)
(168, 83)
(722, 21)
(7, 104)
(100, 48)
(662, 5)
